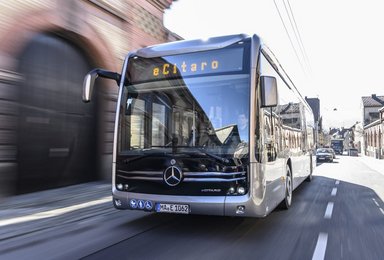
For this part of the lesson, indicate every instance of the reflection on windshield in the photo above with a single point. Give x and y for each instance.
(207, 112)
(324, 151)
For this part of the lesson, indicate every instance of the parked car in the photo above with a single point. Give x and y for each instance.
(324, 154)
(353, 152)
(333, 152)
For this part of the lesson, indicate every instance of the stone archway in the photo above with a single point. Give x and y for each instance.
(57, 133)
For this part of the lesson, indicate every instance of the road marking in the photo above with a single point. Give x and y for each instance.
(321, 247)
(337, 182)
(334, 191)
(328, 211)
(378, 205)
(54, 212)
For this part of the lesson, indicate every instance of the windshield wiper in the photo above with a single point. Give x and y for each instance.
(216, 157)
(147, 153)
(150, 152)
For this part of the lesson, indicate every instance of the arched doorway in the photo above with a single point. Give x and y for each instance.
(57, 133)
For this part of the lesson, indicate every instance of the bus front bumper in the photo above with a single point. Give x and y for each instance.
(242, 206)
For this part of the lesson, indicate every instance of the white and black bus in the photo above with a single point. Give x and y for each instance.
(208, 127)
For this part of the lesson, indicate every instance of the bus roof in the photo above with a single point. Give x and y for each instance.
(185, 46)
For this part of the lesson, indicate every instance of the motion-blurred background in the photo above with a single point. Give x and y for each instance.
(48, 137)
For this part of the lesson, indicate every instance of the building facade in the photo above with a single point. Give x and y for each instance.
(48, 137)
(314, 103)
(373, 118)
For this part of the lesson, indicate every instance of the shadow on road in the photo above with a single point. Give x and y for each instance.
(355, 228)
(294, 231)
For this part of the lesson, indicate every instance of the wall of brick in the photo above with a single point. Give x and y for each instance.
(105, 30)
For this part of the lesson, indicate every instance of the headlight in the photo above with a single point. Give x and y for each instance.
(231, 190)
(241, 190)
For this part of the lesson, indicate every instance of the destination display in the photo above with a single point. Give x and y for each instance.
(184, 65)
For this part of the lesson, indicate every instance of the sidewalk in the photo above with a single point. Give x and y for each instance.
(373, 163)
(32, 212)
(374, 181)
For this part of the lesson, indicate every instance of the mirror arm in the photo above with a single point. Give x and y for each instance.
(107, 74)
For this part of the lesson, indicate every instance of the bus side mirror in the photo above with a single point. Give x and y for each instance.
(90, 78)
(89, 82)
(268, 91)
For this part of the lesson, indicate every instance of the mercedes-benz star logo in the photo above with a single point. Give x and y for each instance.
(172, 176)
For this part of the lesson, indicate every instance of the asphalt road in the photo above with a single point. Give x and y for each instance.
(336, 216)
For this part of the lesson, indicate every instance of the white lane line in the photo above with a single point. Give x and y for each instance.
(54, 212)
(337, 182)
(334, 191)
(321, 247)
(328, 211)
(377, 204)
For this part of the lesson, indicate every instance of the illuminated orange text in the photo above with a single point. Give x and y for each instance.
(167, 69)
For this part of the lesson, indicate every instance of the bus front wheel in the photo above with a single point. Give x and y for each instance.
(286, 203)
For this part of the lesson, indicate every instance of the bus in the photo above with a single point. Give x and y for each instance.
(212, 127)
(338, 145)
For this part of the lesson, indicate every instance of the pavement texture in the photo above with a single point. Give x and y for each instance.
(373, 163)
(28, 213)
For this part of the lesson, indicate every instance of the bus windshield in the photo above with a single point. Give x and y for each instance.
(191, 111)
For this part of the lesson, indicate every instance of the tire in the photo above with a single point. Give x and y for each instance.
(287, 202)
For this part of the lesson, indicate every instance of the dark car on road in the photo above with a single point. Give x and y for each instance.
(353, 152)
(324, 155)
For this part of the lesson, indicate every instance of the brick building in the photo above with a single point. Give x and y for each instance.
(373, 118)
(48, 137)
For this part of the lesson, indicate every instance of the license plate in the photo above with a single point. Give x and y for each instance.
(172, 208)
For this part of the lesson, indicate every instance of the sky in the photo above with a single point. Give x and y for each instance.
(338, 49)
